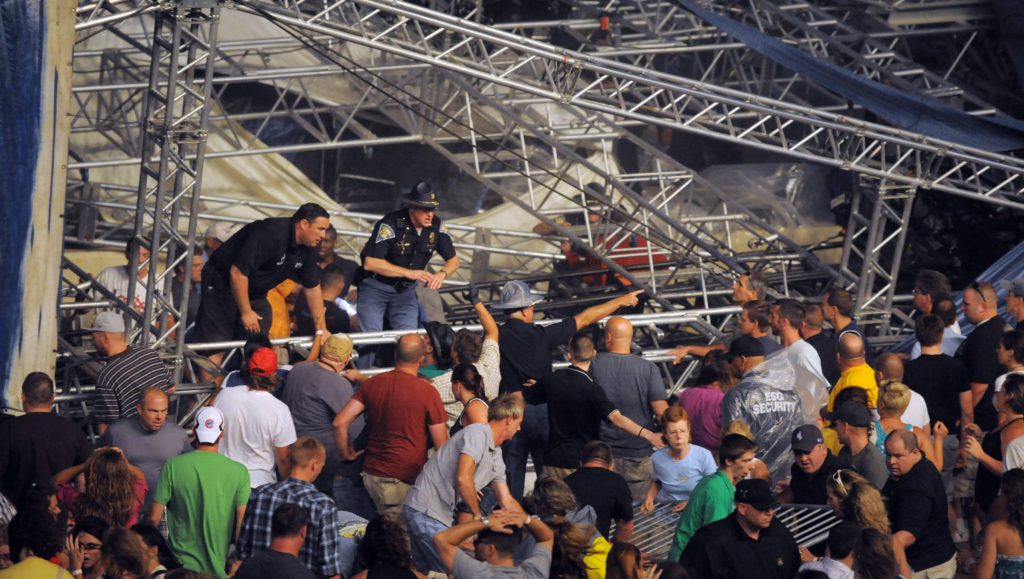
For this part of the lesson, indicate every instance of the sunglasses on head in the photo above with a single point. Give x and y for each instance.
(837, 477)
(977, 287)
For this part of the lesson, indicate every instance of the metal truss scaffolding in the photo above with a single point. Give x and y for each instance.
(536, 123)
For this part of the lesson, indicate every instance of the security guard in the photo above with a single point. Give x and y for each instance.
(399, 248)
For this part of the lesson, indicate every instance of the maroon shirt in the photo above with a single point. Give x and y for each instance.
(399, 408)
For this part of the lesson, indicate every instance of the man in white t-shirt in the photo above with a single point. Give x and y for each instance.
(890, 369)
(467, 348)
(115, 278)
(258, 429)
(787, 318)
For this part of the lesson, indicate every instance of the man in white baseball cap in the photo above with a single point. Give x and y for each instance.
(204, 494)
(216, 235)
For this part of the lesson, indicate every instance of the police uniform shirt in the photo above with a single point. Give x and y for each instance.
(395, 240)
(266, 252)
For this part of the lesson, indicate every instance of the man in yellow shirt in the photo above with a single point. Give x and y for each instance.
(33, 540)
(854, 369)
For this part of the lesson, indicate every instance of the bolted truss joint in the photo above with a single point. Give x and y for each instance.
(187, 132)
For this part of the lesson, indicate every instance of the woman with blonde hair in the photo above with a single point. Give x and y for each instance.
(760, 469)
(625, 562)
(579, 551)
(855, 499)
(893, 399)
(105, 486)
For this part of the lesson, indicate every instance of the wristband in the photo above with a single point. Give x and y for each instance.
(529, 519)
(486, 522)
(77, 572)
(639, 432)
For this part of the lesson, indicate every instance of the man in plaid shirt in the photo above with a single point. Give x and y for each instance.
(321, 553)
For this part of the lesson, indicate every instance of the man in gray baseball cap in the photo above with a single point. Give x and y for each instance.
(1015, 300)
(526, 356)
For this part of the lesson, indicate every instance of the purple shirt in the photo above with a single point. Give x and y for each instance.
(704, 405)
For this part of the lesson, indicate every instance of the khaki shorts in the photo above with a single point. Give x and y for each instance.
(558, 472)
(638, 473)
(963, 482)
(946, 570)
(388, 494)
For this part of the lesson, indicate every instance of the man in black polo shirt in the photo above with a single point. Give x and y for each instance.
(598, 485)
(577, 406)
(749, 543)
(525, 358)
(813, 464)
(981, 307)
(917, 508)
(252, 262)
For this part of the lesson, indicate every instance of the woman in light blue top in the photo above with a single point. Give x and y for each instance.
(679, 466)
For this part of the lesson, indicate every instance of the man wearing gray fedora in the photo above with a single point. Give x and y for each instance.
(525, 357)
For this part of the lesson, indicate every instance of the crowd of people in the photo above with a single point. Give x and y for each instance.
(318, 469)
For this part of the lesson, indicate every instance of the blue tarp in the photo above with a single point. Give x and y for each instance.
(918, 113)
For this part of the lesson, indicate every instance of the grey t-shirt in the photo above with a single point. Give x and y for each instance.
(147, 450)
(315, 395)
(631, 383)
(868, 462)
(434, 492)
(538, 565)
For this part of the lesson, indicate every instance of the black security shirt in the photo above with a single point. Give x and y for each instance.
(606, 491)
(939, 379)
(395, 240)
(917, 505)
(979, 355)
(576, 408)
(722, 550)
(266, 252)
(809, 489)
(826, 348)
(526, 350)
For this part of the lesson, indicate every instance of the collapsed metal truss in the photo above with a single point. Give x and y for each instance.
(530, 121)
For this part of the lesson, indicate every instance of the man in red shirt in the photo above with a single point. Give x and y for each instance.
(401, 409)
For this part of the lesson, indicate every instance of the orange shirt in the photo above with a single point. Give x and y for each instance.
(281, 327)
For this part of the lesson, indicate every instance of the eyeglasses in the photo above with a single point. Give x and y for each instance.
(838, 479)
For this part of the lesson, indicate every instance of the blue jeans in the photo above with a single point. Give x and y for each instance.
(422, 528)
(531, 440)
(352, 497)
(348, 549)
(376, 299)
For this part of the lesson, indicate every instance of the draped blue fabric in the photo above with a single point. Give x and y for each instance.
(917, 113)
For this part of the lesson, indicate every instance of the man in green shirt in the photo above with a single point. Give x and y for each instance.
(712, 499)
(204, 494)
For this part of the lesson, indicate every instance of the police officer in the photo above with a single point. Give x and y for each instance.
(399, 248)
(260, 256)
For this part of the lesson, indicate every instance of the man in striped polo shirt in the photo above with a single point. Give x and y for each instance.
(127, 372)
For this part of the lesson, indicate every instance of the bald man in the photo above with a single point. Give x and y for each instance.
(148, 439)
(890, 367)
(636, 388)
(854, 369)
(404, 416)
(981, 307)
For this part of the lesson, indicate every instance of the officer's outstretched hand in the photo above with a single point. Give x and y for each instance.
(631, 299)
(419, 275)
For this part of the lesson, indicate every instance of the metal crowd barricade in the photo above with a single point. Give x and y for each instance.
(653, 533)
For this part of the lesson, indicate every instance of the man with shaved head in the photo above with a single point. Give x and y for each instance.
(854, 369)
(916, 501)
(981, 307)
(148, 439)
(636, 388)
(402, 411)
